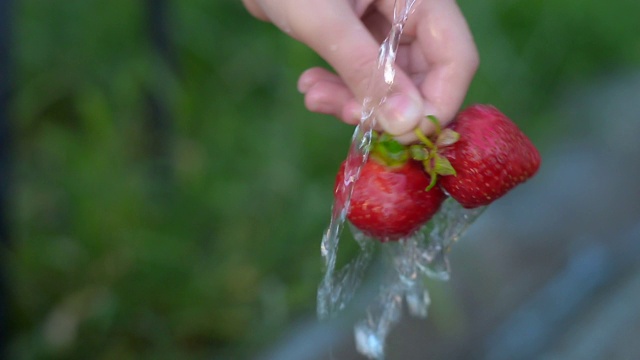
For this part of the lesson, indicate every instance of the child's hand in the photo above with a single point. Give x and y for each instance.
(436, 60)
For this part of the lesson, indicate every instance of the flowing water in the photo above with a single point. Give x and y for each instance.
(380, 83)
(408, 263)
(410, 260)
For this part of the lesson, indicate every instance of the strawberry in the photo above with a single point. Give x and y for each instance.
(490, 158)
(389, 199)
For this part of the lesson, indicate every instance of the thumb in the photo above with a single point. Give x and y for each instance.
(336, 33)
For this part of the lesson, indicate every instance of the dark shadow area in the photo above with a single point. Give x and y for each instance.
(6, 20)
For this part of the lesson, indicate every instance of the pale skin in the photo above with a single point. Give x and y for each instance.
(437, 58)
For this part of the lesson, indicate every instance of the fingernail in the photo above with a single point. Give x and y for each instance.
(400, 114)
(424, 123)
(303, 85)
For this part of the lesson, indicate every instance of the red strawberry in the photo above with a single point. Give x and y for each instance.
(390, 200)
(491, 156)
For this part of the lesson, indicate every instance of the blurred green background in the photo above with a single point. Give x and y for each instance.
(170, 204)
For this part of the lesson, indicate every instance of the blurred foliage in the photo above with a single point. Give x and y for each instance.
(208, 247)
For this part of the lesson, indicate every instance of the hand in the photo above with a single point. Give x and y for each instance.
(436, 59)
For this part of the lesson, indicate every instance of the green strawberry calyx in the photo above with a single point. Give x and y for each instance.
(428, 151)
(389, 152)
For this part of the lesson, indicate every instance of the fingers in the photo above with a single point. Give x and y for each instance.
(326, 93)
(334, 31)
(255, 10)
(441, 58)
(337, 34)
(315, 75)
(451, 55)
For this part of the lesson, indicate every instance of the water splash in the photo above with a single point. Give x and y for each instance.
(410, 260)
(330, 296)
(408, 263)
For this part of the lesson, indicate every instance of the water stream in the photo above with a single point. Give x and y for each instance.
(379, 86)
(410, 260)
